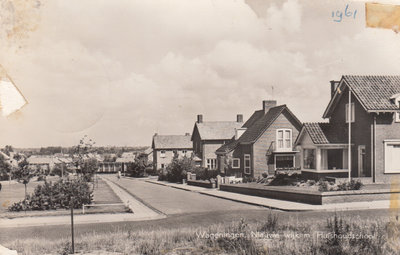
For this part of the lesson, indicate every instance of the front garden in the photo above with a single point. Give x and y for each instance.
(292, 187)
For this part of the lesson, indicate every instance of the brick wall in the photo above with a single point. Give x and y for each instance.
(262, 145)
(360, 131)
(386, 129)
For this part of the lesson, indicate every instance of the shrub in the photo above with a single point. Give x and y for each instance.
(248, 179)
(352, 185)
(56, 195)
(41, 177)
(177, 170)
(323, 185)
(330, 186)
(150, 171)
(285, 179)
(205, 174)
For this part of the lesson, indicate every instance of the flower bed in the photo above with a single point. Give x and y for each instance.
(311, 195)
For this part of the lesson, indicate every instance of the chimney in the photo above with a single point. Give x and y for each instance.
(334, 85)
(200, 118)
(239, 118)
(155, 134)
(268, 104)
(187, 134)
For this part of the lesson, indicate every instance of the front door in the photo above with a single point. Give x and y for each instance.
(361, 161)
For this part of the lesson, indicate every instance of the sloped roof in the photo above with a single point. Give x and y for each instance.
(172, 142)
(254, 131)
(217, 130)
(253, 118)
(373, 92)
(259, 123)
(229, 146)
(128, 155)
(125, 160)
(322, 133)
(39, 160)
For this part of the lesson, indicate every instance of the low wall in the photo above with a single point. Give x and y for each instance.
(204, 184)
(311, 197)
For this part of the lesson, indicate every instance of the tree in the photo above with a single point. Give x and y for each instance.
(83, 160)
(177, 170)
(8, 149)
(23, 174)
(5, 168)
(138, 167)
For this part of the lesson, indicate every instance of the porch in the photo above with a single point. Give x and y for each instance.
(325, 161)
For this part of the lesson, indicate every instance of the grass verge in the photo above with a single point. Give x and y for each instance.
(334, 235)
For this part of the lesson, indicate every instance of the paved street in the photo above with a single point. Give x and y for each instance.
(174, 201)
(184, 209)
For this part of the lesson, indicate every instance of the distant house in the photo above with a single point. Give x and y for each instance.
(46, 163)
(43, 164)
(123, 161)
(165, 147)
(149, 153)
(208, 136)
(264, 143)
(367, 106)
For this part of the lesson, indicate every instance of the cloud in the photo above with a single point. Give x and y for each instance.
(120, 71)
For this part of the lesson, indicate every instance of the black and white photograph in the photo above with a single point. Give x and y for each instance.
(178, 127)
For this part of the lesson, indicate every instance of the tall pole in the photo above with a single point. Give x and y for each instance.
(72, 225)
(349, 119)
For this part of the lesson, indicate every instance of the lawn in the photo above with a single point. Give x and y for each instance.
(269, 234)
(13, 192)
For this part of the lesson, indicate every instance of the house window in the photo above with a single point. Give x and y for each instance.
(212, 163)
(284, 139)
(392, 156)
(309, 158)
(397, 114)
(284, 161)
(162, 154)
(162, 166)
(236, 163)
(247, 163)
(184, 152)
(352, 113)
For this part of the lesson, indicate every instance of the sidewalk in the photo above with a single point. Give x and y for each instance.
(140, 213)
(275, 203)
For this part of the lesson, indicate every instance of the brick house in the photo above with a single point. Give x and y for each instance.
(166, 146)
(264, 143)
(208, 136)
(368, 106)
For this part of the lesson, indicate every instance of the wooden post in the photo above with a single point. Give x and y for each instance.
(72, 226)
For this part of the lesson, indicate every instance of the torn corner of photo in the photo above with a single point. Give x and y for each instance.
(11, 99)
(380, 15)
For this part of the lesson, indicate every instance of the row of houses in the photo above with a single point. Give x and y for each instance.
(47, 163)
(361, 136)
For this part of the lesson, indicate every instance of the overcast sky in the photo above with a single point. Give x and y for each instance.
(121, 70)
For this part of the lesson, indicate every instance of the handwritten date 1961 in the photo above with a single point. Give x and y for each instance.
(338, 15)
